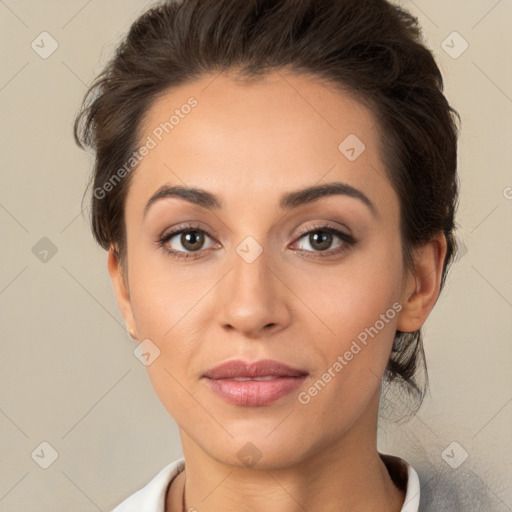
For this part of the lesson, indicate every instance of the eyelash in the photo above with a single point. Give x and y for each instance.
(348, 240)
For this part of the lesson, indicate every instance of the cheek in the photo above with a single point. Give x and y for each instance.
(169, 310)
(351, 362)
(350, 297)
(168, 316)
(165, 296)
(356, 308)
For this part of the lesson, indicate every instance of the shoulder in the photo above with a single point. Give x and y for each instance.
(151, 497)
(442, 488)
(449, 490)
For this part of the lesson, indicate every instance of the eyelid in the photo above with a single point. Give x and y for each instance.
(325, 225)
(189, 226)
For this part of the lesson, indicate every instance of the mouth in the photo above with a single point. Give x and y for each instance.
(253, 384)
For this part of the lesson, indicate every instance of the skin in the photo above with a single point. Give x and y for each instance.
(248, 144)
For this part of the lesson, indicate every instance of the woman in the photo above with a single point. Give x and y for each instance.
(275, 184)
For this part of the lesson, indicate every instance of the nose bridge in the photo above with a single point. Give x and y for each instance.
(251, 299)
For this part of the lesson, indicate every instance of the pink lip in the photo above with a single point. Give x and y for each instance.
(221, 380)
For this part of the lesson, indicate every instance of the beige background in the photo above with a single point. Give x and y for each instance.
(68, 373)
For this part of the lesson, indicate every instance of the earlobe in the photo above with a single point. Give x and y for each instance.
(121, 291)
(423, 284)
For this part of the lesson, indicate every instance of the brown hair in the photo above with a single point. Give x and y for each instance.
(371, 48)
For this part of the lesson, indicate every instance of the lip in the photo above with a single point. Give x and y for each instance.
(281, 380)
(262, 368)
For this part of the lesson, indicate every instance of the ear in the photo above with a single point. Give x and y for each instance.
(422, 284)
(118, 275)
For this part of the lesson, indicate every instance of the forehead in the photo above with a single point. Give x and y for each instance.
(247, 139)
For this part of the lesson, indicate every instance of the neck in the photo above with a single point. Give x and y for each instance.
(347, 474)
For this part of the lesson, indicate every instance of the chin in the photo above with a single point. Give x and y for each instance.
(260, 451)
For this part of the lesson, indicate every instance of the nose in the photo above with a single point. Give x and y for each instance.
(252, 299)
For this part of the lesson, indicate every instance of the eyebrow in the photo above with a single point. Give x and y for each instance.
(287, 201)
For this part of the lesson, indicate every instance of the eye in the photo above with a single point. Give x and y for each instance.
(185, 240)
(320, 239)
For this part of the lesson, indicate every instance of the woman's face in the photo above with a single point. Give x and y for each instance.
(311, 280)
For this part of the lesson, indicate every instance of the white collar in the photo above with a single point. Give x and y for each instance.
(412, 496)
(151, 497)
(406, 478)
